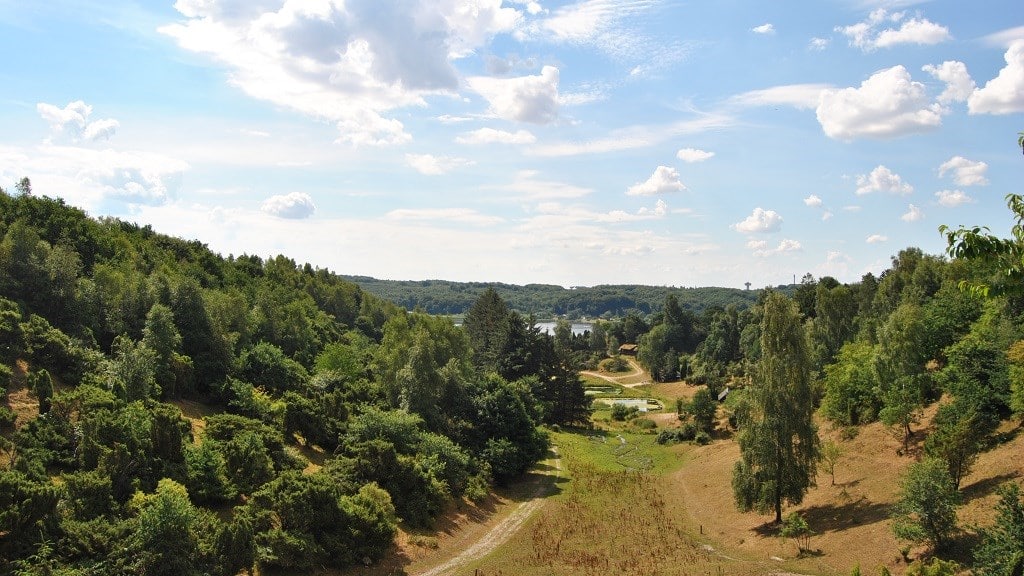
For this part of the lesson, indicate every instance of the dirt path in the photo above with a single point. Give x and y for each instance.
(637, 371)
(503, 530)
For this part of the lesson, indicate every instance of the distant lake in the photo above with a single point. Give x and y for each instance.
(577, 327)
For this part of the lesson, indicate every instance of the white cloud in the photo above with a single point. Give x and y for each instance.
(457, 215)
(874, 32)
(635, 137)
(761, 249)
(959, 84)
(1004, 38)
(1004, 94)
(826, 214)
(801, 96)
(531, 99)
(492, 136)
(760, 221)
(876, 239)
(435, 165)
(881, 179)
(347, 63)
(888, 104)
(818, 43)
(913, 214)
(691, 155)
(528, 187)
(813, 201)
(295, 206)
(767, 28)
(72, 123)
(664, 180)
(953, 198)
(965, 172)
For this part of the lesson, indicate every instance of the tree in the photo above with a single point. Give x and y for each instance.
(796, 527)
(851, 384)
(703, 408)
(165, 541)
(900, 361)
(957, 439)
(830, 455)
(1001, 551)
(161, 336)
(926, 509)
(778, 440)
(487, 325)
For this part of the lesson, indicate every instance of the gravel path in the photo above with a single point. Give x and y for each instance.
(502, 531)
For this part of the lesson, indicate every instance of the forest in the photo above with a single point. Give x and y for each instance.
(169, 410)
(548, 301)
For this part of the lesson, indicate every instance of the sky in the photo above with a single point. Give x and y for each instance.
(577, 143)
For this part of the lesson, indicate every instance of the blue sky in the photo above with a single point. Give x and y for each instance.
(664, 142)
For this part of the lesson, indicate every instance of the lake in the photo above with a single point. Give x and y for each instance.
(577, 327)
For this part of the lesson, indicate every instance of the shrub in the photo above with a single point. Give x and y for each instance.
(684, 433)
(645, 424)
(702, 438)
(621, 412)
(7, 418)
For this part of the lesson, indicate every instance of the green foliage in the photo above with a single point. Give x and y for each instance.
(795, 526)
(703, 409)
(266, 366)
(684, 433)
(778, 441)
(1001, 550)
(933, 567)
(851, 386)
(166, 539)
(926, 509)
(621, 412)
(958, 438)
(207, 474)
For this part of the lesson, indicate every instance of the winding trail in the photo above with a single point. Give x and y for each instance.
(505, 529)
(637, 371)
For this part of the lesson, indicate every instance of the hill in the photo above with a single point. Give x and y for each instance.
(550, 301)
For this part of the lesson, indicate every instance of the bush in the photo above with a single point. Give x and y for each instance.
(615, 364)
(684, 433)
(621, 412)
(702, 438)
(645, 424)
(7, 418)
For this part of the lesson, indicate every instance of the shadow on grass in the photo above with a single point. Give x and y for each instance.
(985, 486)
(835, 518)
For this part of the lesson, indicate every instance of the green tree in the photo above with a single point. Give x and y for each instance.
(703, 408)
(851, 386)
(42, 385)
(165, 540)
(900, 361)
(132, 370)
(1001, 550)
(926, 508)
(161, 336)
(830, 455)
(795, 526)
(779, 444)
(958, 438)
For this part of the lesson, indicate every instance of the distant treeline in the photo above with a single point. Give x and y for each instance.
(549, 301)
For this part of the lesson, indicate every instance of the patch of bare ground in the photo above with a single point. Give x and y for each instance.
(20, 399)
(850, 518)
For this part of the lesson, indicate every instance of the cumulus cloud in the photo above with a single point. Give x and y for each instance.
(760, 247)
(959, 84)
(691, 155)
(760, 221)
(913, 214)
(881, 179)
(435, 165)
(1004, 94)
(766, 28)
(965, 172)
(348, 63)
(532, 99)
(876, 239)
(953, 198)
(878, 31)
(813, 201)
(295, 205)
(886, 105)
(492, 136)
(664, 180)
(72, 124)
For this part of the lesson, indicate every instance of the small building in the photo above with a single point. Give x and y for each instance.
(628, 349)
(723, 394)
